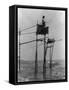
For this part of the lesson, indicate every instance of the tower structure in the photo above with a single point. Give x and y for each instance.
(41, 30)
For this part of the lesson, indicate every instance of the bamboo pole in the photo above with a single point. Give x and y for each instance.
(44, 62)
(36, 62)
(19, 49)
(51, 54)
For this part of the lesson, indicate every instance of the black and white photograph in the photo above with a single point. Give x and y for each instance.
(41, 45)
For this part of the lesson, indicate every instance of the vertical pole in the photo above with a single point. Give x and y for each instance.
(44, 63)
(51, 53)
(19, 49)
(50, 57)
(36, 63)
(50, 65)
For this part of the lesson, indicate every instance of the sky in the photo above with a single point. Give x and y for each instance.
(54, 19)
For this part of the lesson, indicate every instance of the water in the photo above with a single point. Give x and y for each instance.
(27, 71)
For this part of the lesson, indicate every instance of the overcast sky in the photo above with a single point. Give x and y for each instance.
(55, 19)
